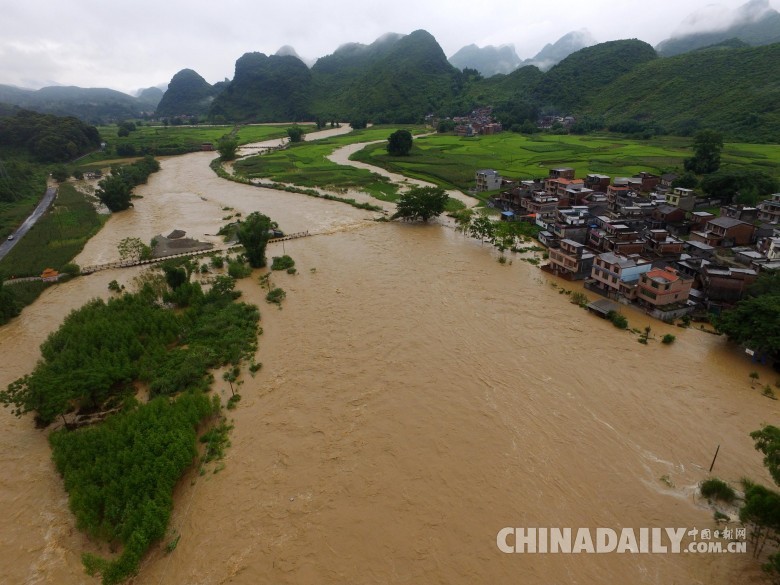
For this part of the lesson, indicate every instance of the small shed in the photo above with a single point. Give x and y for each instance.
(50, 275)
(602, 307)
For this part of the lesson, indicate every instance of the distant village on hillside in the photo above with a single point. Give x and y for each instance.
(637, 240)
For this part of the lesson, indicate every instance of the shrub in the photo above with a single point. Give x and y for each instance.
(217, 261)
(579, 298)
(618, 320)
(276, 296)
(282, 262)
(71, 268)
(114, 286)
(717, 489)
(668, 339)
(237, 269)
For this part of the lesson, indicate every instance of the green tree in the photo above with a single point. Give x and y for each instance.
(399, 143)
(421, 203)
(227, 148)
(254, 233)
(114, 192)
(133, 249)
(767, 441)
(740, 185)
(357, 123)
(755, 320)
(482, 227)
(463, 219)
(445, 125)
(9, 306)
(295, 133)
(60, 174)
(707, 146)
(687, 180)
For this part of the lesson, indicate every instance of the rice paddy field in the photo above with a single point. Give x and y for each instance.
(306, 164)
(451, 161)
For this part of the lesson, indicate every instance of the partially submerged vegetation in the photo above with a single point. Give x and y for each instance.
(120, 474)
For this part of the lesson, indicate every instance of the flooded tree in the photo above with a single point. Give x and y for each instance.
(421, 203)
(254, 233)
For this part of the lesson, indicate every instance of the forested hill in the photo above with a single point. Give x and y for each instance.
(395, 79)
(571, 82)
(622, 85)
(733, 90)
(48, 138)
(187, 94)
(93, 105)
(265, 89)
(399, 80)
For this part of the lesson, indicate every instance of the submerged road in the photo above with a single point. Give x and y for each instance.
(48, 198)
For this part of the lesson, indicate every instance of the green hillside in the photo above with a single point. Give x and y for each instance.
(572, 81)
(265, 89)
(188, 94)
(734, 91)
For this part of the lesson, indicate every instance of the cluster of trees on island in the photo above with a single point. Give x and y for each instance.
(120, 473)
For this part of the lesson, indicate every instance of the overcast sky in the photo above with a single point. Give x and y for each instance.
(127, 45)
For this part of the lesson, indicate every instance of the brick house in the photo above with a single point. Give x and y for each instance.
(662, 287)
(769, 210)
(660, 243)
(617, 276)
(571, 260)
(726, 232)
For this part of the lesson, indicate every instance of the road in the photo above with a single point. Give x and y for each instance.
(45, 203)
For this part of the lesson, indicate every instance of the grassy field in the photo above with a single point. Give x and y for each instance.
(57, 237)
(451, 161)
(305, 164)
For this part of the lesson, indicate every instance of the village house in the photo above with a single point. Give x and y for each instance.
(724, 285)
(542, 206)
(744, 213)
(665, 184)
(664, 215)
(571, 260)
(614, 236)
(649, 181)
(487, 180)
(571, 223)
(563, 188)
(725, 232)
(661, 244)
(616, 276)
(663, 287)
(769, 210)
(597, 182)
(682, 198)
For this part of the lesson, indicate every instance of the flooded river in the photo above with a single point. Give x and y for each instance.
(416, 397)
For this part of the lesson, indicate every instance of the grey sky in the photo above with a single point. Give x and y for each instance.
(127, 45)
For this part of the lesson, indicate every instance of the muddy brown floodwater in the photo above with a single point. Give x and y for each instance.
(416, 397)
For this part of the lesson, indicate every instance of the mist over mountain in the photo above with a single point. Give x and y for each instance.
(755, 23)
(492, 60)
(150, 96)
(554, 53)
(93, 104)
(289, 51)
(403, 78)
(488, 60)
